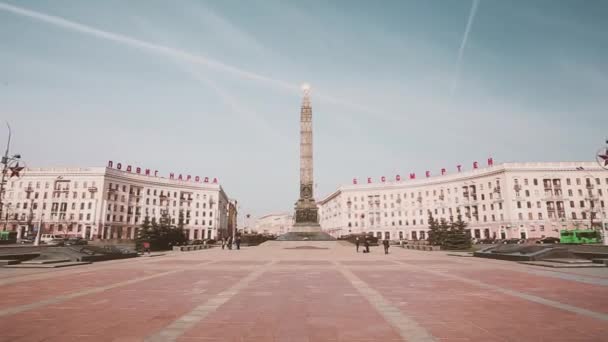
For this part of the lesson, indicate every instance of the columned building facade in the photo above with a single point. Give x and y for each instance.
(105, 203)
(510, 200)
(275, 224)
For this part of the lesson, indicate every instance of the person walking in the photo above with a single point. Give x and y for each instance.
(146, 246)
(223, 242)
(357, 242)
(230, 242)
(366, 245)
(386, 245)
(238, 242)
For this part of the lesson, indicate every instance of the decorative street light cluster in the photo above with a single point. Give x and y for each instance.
(10, 163)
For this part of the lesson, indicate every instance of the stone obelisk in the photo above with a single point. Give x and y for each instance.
(306, 218)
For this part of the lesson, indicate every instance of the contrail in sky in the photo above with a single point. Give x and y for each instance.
(463, 44)
(174, 53)
(133, 42)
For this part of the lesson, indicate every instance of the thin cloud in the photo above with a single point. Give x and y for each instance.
(463, 44)
(174, 53)
(137, 43)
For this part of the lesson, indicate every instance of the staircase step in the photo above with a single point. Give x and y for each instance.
(45, 261)
(561, 265)
(53, 265)
(568, 260)
(601, 261)
(9, 262)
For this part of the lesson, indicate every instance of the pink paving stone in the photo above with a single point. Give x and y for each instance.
(129, 312)
(583, 295)
(180, 262)
(367, 263)
(453, 309)
(305, 262)
(240, 262)
(428, 262)
(36, 290)
(302, 305)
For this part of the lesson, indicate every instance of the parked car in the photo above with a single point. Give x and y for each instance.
(513, 241)
(488, 241)
(548, 239)
(52, 239)
(28, 239)
(75, 241)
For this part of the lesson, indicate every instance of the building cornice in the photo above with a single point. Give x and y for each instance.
(471, 175)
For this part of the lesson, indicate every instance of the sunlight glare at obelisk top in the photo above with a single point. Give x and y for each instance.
(305, 88)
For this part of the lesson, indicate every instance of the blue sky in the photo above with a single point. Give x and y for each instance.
(210, 88)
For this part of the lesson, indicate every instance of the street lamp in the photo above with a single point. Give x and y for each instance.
(8, 161)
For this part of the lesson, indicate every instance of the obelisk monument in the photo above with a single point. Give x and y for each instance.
(306, 218)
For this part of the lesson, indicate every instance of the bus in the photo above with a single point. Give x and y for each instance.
(580, 236)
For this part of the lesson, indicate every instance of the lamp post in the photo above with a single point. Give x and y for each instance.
(92, 190)
(6, 162)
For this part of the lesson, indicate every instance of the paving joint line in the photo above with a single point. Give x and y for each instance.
(408, 329)
(179, 326)
(62, 298)
(521, 295)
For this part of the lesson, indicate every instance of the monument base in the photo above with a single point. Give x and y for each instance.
(306, 232)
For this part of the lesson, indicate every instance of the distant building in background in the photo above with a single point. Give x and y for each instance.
(276, 224)
(106, 203)
(510, 200)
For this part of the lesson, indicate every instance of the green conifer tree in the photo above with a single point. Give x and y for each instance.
(457, 238)
(434, 235)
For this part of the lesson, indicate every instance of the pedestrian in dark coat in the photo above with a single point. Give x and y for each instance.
(238, 242)
(357, 242)
(229, 242)
(366, 245)
(386, 245)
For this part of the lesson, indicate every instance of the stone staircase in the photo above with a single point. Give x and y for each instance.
(47, 263)
(566, 263)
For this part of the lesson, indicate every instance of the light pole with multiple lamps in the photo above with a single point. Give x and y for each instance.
(7, 163)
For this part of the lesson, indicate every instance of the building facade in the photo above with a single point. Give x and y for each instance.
(275, 224)
(511, 200)
(106, 203)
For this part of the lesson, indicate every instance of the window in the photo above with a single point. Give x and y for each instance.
(540, 216)
(574, 216)
(81, 206)
(527, 193)
(535, 181)
(90, 205)
(518, 205)
(571, 204)
(529, 205)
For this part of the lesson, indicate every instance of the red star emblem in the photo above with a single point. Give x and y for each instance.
(15, 170)
(602, 158)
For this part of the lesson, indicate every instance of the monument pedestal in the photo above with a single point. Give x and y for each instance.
(306, 232)
(306, 228)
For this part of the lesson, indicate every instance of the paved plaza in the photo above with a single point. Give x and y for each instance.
(324, 292)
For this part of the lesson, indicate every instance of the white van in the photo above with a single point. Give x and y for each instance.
(51, 239)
